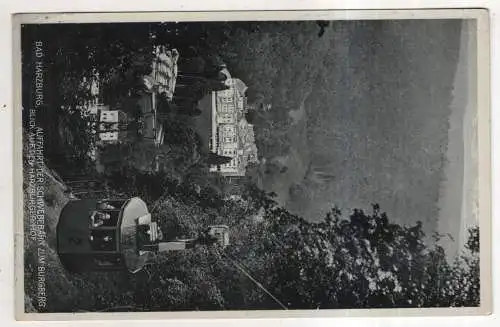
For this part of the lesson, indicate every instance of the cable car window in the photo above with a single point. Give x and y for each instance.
(104, 263)
(103, 240)
(107, 261)
(110, 204)
(104, 218)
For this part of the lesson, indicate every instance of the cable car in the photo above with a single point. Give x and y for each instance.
(118, 234)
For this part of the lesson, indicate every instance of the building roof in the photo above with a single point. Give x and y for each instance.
(227, 76)
(226, 73)
(239, 85)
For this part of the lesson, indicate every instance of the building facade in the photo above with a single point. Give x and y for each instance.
(232, 136)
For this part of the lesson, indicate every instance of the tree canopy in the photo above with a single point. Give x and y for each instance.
(358, 260)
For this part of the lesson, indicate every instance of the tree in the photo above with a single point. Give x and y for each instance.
(362, 261)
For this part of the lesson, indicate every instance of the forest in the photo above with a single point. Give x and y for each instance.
(353, 258)
(347, 260)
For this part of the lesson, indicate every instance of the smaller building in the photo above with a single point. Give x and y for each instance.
(161, 82)
(95, 109)
(164, 72)
(112, 126)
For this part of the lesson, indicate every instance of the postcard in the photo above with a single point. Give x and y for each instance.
(252, 164)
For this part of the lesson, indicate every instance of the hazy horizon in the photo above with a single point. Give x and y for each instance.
(462, 157)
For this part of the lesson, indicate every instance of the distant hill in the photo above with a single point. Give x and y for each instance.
(367, 104)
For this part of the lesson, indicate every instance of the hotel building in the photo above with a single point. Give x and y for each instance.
(232, 136)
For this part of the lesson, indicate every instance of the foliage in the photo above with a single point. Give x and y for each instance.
(362, 260)
(358, 262)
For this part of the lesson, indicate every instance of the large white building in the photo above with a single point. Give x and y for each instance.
(232, 136)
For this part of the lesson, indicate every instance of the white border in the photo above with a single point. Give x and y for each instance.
(21, 6)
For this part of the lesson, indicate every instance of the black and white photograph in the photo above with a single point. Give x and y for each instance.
(252, 164)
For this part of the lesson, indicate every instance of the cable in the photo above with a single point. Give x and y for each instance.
(240, 268)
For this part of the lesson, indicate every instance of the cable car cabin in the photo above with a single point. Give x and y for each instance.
(102, 235)
(95, 235)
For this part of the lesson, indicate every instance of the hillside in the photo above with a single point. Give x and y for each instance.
(371, 261)
(358, 116)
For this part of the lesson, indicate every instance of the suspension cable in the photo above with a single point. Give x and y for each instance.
(241, 269)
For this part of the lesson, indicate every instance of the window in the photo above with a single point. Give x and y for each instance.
(104, 218)
(226, 119)
(106, 263)
(103, 240)
(107, 260)
(111, 204)
(228, 131)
